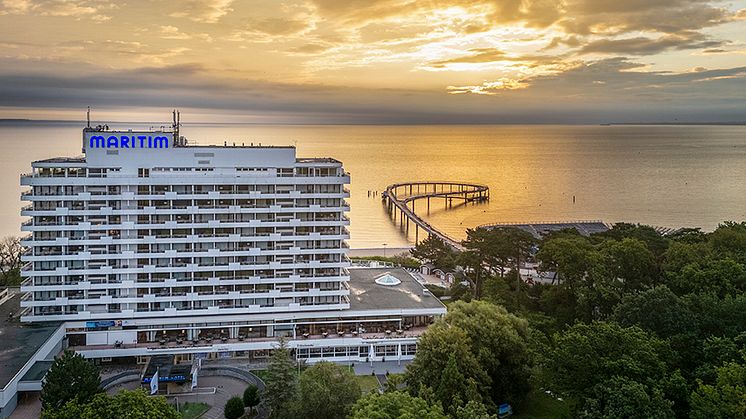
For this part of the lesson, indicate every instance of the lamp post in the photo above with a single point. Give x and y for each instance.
(384, 249)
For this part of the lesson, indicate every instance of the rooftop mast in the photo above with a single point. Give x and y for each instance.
(176, 124)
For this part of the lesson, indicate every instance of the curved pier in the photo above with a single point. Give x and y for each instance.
(399, 195)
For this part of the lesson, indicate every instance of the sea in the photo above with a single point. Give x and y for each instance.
(661, 175)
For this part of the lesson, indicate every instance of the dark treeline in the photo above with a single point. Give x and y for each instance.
(635, 324)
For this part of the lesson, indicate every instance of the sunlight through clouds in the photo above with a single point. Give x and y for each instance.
(438, 53)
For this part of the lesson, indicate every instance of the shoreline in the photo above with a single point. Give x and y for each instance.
(378, 251)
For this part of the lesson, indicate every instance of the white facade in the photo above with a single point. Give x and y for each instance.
(146, 246)
(183, 231)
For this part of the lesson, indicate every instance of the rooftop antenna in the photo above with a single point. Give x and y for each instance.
(176, 117)
(88, 117)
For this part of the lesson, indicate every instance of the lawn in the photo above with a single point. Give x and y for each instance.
(193, 410)
(262, 374)
(539, 405)
(367, 383)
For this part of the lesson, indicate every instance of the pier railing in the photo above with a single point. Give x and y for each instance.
(400, 196)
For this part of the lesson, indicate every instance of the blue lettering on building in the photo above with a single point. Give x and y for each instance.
(126, 141)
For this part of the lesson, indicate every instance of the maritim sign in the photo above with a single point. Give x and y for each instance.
(128, 139)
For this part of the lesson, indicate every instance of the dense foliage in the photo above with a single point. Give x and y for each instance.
(477, 352)
(136, 404)
(70, 377)
(280, 383)
(251, 397)
(326, 390)
(234, 408)
(395, 405)
(630, 323)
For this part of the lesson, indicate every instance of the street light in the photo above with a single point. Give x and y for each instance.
(384, 249)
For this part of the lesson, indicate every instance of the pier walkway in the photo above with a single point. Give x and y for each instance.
(399, 196)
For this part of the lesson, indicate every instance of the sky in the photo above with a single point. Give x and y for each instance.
(375, 61)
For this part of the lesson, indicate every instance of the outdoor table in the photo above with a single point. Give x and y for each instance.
(388, 332)
(305, 335)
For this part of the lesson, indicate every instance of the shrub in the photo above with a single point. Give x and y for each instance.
(234, 408)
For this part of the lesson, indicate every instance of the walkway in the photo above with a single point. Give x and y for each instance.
(399, 195)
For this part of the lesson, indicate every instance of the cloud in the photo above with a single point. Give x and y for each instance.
(376, 60)
(617, 17)
(172, 32)
(489, 87)
(478, 55)
(310, 48)
(60, 8)
(205, 11)
(277, 25)
(15, 7)
(646, 46)
(492, 55)
(615, 89)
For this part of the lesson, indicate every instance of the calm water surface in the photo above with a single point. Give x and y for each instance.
(659, 175)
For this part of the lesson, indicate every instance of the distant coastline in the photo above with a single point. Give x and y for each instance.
(738, 123)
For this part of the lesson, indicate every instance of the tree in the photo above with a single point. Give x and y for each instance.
(656, 310)
(281, 384)
(393, 382)
(70, 377)
(474, 410)
(678, 255)
(438, 346)
(628, 260)
(10, 260)
(725, 399)
(251, 397)
(621, 397)
(687, 235)
(652, 239)
(136, 404)
(716, 351)
(489, 347)
(234, 408)
(395, 405)
(729, 240)
(498, 249)
(434, 250)
(450, 379)
(326, 390)
(500, 342)
(588, 355)
(569, 257)
(717, 276)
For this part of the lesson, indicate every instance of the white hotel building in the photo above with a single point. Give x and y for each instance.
(149, 246)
